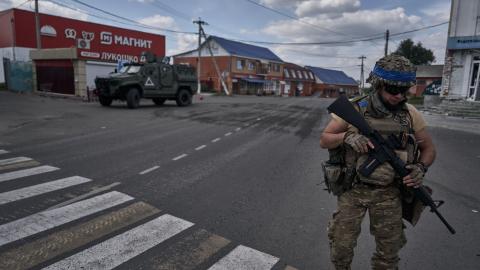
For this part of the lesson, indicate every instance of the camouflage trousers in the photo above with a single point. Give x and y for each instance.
(385, 213)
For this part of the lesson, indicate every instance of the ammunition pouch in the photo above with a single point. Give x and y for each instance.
(412, 207)
(338, 178)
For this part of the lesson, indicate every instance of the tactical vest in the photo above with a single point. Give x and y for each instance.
(398, 124)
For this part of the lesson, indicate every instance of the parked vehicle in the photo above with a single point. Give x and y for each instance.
(155, 79)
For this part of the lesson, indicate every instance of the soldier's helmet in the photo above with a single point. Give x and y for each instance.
(393, 70)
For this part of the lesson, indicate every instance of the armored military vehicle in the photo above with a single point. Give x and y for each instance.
(154, 79)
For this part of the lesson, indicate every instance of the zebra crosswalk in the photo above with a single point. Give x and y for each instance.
(105, 231)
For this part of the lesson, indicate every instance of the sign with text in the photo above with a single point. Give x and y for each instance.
(94, 41)
(463, 43)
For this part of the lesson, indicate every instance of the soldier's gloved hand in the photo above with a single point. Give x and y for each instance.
(358, 142)
(415, 178)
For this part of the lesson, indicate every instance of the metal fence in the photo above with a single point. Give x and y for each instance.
(18, 75)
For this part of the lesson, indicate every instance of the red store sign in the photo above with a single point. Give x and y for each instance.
(94, 41)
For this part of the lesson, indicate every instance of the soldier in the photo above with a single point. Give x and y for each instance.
(381, 193)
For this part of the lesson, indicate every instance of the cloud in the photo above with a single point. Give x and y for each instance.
(354, 24)
(12, 4)
(142, 1)
(438, 12)
(159, 21)
(332, 7)
(46, 7)
(281, 3)
(184, 43)
(359, 23)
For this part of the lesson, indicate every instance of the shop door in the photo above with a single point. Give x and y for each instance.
(473, 91)
(55, 76)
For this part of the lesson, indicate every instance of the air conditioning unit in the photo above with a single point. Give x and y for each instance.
(83, 44)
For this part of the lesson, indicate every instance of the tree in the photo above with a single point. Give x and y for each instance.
(416, 53)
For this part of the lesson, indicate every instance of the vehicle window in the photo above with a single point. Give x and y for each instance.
(133, 69)
(123, 69)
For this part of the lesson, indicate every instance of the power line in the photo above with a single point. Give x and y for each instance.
(295, 18)
(310, 24)
(342, 66)
(340, 41)
(171, 10)
(130, 20)
(2, 13)
(63, 4)
(322, 55)
(164, 7)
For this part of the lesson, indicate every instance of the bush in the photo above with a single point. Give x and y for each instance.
(3, 86)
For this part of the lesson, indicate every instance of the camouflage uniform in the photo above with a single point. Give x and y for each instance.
(379, 193)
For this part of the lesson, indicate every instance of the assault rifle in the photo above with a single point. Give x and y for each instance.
(383, 151)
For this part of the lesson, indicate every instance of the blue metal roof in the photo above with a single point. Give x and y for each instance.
(247, 50)
(330, 76)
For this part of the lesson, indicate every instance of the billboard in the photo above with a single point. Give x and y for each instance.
(94, 41)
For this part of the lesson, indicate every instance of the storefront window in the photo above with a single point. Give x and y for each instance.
(240, 64)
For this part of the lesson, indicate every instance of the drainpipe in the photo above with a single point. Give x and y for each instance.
(14, 38)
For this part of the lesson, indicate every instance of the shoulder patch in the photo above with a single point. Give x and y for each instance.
(363, 103)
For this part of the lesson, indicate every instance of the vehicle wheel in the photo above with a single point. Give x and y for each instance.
(159, 101)
(105, 101)
(133, 98)
(184, 98)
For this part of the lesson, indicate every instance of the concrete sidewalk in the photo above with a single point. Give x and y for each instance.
(451, 122)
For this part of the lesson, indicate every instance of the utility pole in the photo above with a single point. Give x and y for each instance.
(225, 89)
(387, 36)
(37, 26)
(200, 29)
(363, 57)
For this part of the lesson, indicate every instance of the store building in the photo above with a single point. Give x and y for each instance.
(73, 52)
(462, 62)
(299, 81)
(245, 68)
(330, 83)
(429, 80)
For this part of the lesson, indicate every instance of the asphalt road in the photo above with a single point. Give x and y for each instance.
(240, 174)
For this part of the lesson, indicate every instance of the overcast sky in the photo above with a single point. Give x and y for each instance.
(285, 21)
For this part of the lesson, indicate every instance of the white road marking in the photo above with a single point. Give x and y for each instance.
(10, 161)
(121, 248)
(3, 151)
(49, 219)
(86, 195)
(27, 172)
(258, 119)
(32, 191)
(200, 147)
(228, 134)
(216, 140)
(245, 258)
(238, 129)
(149, 170)
(179, 157)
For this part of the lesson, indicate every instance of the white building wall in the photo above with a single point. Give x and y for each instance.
(94, 69)
(464, 22)
(217, 50)
(465, 83)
